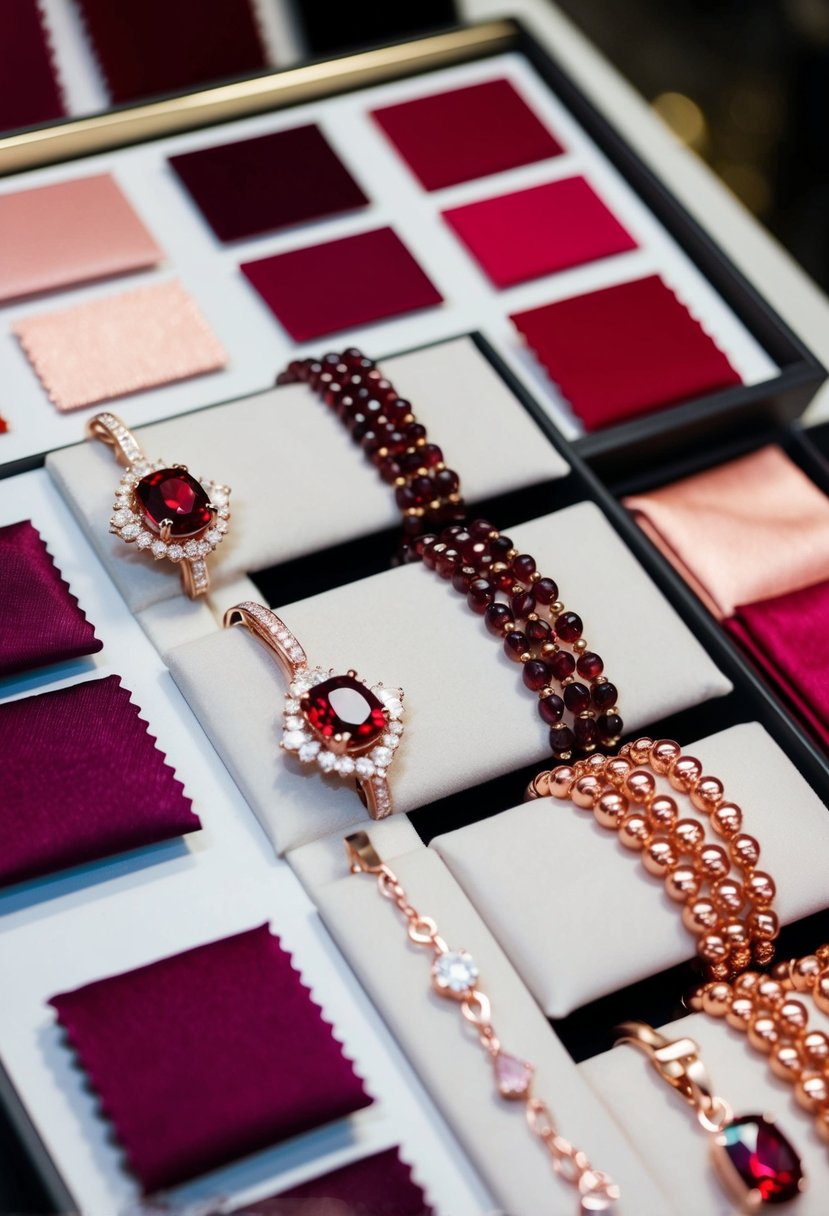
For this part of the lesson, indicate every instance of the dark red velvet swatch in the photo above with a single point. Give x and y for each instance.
(270, 182)
(453, 137)
(29, 89)
(81, 778)
(40, 621)
(159, 46)
(534, 232)
(325, 288)
(376, 1186)
(208, 1056)
(624, 351)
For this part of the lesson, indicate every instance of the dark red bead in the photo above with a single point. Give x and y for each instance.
(448, 562)
(762, 1157)
(562, 740)
(397, 409)
(503, 579)
(569, 626)
(605, 696)
(314, 373)
(360, 427)
(450, 535)
(496, 617)
(536, 674)
(330, 359)
(563, 665)
(551, 708)
(480, 529)
(432, 552)
(473, 550)
(424, 542)
(523, 566)
(499, 547)
(610, 726)
(538, 632)
(410, 462)
(430, 455)
(413, 525)
(590, 665)
(577, 698)
(463, 577)
(344, 403)
(446, 482)
(516, 644)
(523, 603)
(480, 595)
(356, 359)
(332, 394)
(586, 732)
(389, 470)
(172, 494)
(414, 431)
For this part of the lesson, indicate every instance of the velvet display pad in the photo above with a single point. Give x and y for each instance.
(115, 345)
(81, 778)
(534, 232)
(270, 182)
(340, 284)
(40, 620)
(161, 47)
(69, 232)
(29, 88)
(453, 137)
(208, 1056)
(376, 1186)
(623, 351)
(748, 530)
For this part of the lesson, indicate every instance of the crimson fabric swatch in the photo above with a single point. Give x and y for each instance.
(624, 351)
(465, 133)
(325, 288)
(29, 89)
(40, 620)
(208, 1056)
(534, 232)
(81, 778)
(162, 47)
(772, 632)
(376, 1186)
(270, 182)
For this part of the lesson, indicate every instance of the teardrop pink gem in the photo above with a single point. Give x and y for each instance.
(512, 1076)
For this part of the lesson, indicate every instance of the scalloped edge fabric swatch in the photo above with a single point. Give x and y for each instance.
(380, 1185)
(31, 89)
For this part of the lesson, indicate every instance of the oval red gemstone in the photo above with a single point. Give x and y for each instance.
(342, 705)
(763, 1158)
(174, 495)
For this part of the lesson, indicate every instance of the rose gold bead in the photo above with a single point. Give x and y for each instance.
(700, 916)
(659, 856)
(682, 884)
(740, 957)
(695, 1000)
(616, 769)
(727, 819)
(736, 933)
(812, 1091)
(815, 1048)
(585, 791)
(763, 925)
(762, 1032)
(595, 763)
(663, 754)
(822, 1124)
(763, 953)
(769, 993)
(634, 831)
(741, 1012)
(610, 809)
(640, 750)
(804, 972)
(689, 835)
(719, 971)
(707, 794)
(780, 971)
(639, 785)
(713, 947)
(792, 1017)
(560, 780)
(745, 851)
(662, 812)
(684, 773)
(748, 981)
(728, 895)
(822, 953)
(785, 1062)
(820, 992)
(713, 861)
(760, 889)
(716, 1000)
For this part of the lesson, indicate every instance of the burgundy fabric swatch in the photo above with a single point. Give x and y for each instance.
(465, 133)
(81, 778)
(534, 232)
(270, 182)
(40, 621)
(161, 47)
(624, 351)
(29, 88)
(376, 1186)
(772, 632)
(208, 1056)
(325, 288)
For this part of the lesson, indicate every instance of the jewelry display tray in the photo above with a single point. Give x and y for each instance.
(433, 1098)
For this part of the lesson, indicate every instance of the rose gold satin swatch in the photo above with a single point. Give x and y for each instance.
(121, 344)
(69, 232)
(748, 530)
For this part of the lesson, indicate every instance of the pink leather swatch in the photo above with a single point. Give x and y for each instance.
(530, 233)
(325, 288)
(380, 1185)
(69, 232)
(121, 344)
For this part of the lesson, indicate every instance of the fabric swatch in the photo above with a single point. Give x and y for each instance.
(376, 1186)
(325, 288)
(534, 232)
(743, 531)
(115, 345)
(462, 134)
(624, 351)
(69, 232)
(208, 1056)
(30, 92)
(40, 620)
(81, 778)
(270, 182)
(157, 47)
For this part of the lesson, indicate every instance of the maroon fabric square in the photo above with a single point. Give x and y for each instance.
(325, 288)
(270, 182)
(29, 88)
(376, 1186)
(624, 351)
(471, 132)
(40, 621)
(80, 779)
(208, 1056)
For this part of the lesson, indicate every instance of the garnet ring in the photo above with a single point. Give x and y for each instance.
(333, 722)
(163, 508)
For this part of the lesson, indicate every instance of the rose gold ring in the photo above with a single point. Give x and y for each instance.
(332, 721)
(163, 508)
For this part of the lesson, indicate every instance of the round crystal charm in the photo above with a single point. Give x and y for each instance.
(455, 973)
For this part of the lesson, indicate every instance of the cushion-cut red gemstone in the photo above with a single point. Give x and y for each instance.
(763, 1158)
(173, 494)
(342, 705)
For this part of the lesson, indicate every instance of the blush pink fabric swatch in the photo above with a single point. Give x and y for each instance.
(623, 351)
(744, 531)
(465, 133)
(80, 779)
(69, 232)
(115, 345)
(381, 1185)
(208, 1056)
(534, 232)
(30, 91)
(340, 284)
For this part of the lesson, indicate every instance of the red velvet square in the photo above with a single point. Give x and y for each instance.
(29, 88)
(624, 351)
(325, 288)
(208, 1056)
(376, 1186)
(534, 232)
(453, 137)
(270, 182)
